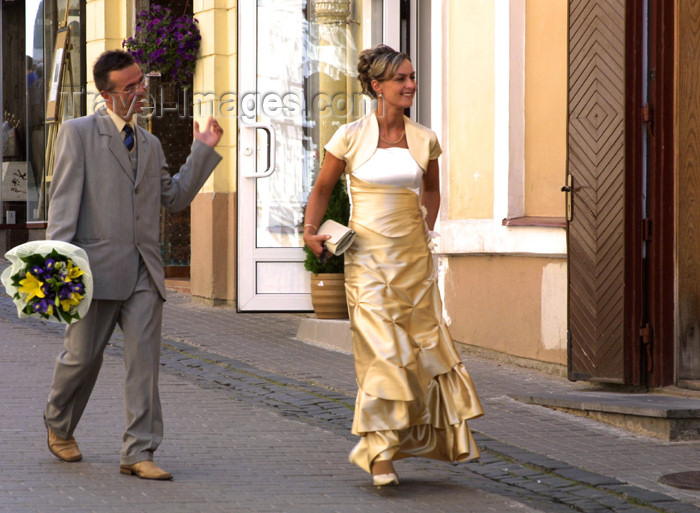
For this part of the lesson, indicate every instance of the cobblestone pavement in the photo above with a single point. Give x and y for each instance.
(257, 421)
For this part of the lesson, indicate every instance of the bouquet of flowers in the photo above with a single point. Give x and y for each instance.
(50, 280)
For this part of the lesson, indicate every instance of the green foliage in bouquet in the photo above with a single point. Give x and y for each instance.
(338, 210)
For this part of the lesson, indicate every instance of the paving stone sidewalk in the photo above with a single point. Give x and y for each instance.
(534, 433)
(258, 421)
(231, 449)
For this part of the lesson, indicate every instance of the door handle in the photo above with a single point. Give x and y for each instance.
(248, 151)
(569, 190)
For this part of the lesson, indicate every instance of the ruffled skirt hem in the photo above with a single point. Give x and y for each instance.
(454, 444)
(448, 400)
(431, 426)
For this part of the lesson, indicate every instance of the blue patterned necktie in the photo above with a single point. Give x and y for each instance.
(128, 137)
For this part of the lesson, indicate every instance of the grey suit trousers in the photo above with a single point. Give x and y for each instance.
(78, 365)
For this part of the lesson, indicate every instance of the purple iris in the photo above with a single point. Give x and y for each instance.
(66, 292)
(42, 306)
(37, 271)
(50, 264)
(78, 287)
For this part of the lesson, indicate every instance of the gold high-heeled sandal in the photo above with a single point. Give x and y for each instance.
(390, 479)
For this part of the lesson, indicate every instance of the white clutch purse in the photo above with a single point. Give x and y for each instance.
(341, 239)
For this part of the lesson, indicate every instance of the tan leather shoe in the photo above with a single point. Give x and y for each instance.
(66, 450)
(145, 470)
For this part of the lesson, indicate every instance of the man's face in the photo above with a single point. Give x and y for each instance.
(127, 91)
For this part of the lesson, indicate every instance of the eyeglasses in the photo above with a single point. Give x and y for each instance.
(133, 88)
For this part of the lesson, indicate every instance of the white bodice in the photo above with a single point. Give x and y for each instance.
(392, 166)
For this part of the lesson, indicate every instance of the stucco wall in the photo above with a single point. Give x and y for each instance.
(546, 61)
(505, 287)
(513, 305)
(108, 23)
(213, 257)
(470, 109)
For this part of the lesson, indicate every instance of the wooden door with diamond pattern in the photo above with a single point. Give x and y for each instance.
(596, 169)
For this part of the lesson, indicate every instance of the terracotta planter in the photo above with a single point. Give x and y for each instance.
(328, 296)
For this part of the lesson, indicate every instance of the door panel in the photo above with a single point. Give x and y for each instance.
(688, 242)
(596, 164)
(274, 170)
(296, 61)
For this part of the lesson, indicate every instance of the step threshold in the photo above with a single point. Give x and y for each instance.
(667, 417)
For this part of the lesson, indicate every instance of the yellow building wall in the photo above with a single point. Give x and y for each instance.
(510, 305)
(546, 75)
(216, 73)
(470, 109)
(505, 300)
(108, 23)
(213, 212)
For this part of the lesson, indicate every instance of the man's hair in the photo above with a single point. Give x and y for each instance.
(111, 60)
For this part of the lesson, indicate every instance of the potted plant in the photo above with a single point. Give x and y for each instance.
(328, 278)
(165, 44)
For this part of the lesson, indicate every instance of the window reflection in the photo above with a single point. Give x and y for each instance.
(29, 32)
(56, 35)
(306, 57)
(35, 106)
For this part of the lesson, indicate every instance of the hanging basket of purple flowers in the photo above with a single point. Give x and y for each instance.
(165, 44)
(50, 280)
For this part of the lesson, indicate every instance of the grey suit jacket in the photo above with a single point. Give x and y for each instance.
(96, 204)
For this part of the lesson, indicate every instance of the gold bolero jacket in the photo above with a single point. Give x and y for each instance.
(356, 142)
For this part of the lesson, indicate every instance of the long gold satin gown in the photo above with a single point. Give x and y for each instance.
(415, 395)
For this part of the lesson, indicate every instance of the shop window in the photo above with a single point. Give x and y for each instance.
(38, 94)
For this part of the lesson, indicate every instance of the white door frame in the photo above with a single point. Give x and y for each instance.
(391, 23)
(253, 260)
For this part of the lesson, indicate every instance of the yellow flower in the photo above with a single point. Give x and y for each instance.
(73, 272)
(73, 300)
(31, 286)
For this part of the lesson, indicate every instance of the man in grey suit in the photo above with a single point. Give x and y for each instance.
(110, 179)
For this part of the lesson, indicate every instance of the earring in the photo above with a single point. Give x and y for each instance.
(380, 95)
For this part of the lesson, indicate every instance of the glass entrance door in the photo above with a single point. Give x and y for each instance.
(295, 83)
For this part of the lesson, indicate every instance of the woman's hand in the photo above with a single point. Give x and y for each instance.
(316, 206)
(315, 242)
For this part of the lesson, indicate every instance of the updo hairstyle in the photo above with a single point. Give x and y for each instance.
(378, 63)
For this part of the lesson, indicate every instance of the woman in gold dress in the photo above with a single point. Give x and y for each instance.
(415, 396)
